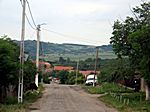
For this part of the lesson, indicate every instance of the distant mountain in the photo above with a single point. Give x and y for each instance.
(66, 48)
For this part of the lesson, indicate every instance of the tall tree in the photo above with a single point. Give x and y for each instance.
(9, 63)
(140, 41)
(9, 68)
(131, 38)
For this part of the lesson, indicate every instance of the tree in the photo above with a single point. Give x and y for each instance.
(29, 74)
(9, 69)
(62, 60)
(62, 75)
(9, 64)
(72, 78)
(140, 41)
(131, 38)
(114, 70)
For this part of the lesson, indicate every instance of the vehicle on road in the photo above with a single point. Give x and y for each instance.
(90, 79)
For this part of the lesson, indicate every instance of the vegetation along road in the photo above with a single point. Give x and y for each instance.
(65, 98)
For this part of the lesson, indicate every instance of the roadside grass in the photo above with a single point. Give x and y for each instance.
(107, 88)
(121, 98)
(135, 104)
(11, 104)
(13, 108)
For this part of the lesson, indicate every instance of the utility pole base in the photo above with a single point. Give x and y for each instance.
(36, 80)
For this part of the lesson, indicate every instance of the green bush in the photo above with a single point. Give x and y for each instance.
(11, 100)
(31, 95)
(46, 79)
(41, 88)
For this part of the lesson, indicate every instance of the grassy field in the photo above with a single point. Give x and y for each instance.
(74, 57)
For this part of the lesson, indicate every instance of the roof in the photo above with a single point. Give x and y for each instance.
(88, 72)
(47, 65)
(66, 68)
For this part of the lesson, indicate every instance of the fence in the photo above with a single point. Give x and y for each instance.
(124, 100)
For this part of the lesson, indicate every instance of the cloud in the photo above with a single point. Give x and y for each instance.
(80, 18)
(85, 8)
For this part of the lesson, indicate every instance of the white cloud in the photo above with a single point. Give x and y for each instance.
(81, 18)
(85, 8)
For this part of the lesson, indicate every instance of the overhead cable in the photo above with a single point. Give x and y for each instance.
(65, 35)
(31, 13)
(27, 18)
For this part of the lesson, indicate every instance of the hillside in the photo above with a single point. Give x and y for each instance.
(53, 51)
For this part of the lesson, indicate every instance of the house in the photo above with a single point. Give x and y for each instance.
(44, 65)
(65, 68)
(85, 73)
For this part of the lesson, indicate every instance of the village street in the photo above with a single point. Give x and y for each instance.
(65, 98)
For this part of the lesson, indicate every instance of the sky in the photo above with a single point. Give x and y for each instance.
(76, 21)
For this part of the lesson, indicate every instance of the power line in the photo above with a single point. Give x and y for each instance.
(29, 22)
(31, 13)
(74, 37)
(61, 34)
(27, 18)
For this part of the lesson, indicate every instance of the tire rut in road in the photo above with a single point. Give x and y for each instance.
(69, 105)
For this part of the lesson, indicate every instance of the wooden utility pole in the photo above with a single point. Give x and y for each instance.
(22, 56)
(42, 49)
(96, 59)
(37, 54)
(77, 71)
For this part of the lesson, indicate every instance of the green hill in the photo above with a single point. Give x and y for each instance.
(53, 51)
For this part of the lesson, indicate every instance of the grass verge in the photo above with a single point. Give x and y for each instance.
(134, 104)
(121, 98)
(107, 88)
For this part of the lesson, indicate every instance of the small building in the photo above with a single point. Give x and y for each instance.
(85, 73)
(44, 65)
(65, 68)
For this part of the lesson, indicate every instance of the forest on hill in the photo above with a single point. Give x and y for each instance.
(54, 51)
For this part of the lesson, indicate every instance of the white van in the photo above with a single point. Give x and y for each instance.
(90, 79)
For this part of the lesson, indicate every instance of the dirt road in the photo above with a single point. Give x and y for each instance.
(64, 98)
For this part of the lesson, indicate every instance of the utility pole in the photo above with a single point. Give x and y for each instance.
(97, 49)
(42, 61)
(37, 54)
(21, 70)
(77, 71)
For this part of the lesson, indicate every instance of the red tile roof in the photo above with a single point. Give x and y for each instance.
(46, 65)
(59, 68)
(88, 72)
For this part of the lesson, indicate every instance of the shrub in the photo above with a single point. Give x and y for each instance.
(11, 100)
(31, 95)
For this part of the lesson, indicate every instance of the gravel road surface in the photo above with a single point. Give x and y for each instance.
(65, 98)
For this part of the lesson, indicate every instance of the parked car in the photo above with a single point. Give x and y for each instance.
(90, 79)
